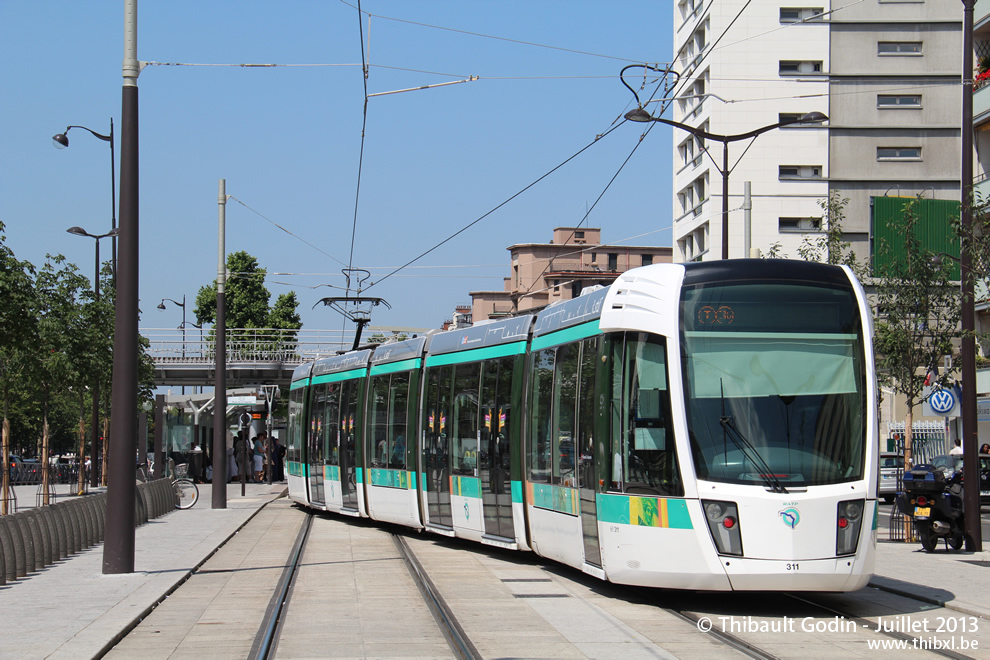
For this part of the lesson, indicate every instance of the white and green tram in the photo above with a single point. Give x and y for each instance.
(698, 426)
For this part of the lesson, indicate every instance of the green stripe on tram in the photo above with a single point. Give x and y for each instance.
(339, 376)
(392, 367)
(465, 486)
(578, 332)
(555, 498)
(476, 354)
(644, 511)
(302, 382)
(392, 478)
(516, 487)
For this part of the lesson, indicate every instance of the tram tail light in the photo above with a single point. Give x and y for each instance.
(723, 523)
(849, 521)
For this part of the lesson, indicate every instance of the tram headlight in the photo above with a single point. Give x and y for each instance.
(849, 520)
(723, 524)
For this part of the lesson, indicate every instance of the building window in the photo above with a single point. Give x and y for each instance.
(797, 68)
(787, 225)
(898, 153)
(789, 172)
(647, 259)
(800, 14)
(579, 235)
(887, 101)
(594, 257)
(887, 48)
(613, 261)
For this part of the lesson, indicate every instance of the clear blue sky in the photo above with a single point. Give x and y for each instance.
(287, 140)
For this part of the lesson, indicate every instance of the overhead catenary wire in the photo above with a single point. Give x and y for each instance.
(498, 206)
(298, 238)
(489, 36)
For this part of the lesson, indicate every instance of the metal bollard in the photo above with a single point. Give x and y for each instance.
(90, 531)
(75, 524)
(42, 544)
(101, 514)
(7, 549)
(27, 543)
(47, 519)
(61, 530)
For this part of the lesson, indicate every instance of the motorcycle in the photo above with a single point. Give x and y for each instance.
(933, 497)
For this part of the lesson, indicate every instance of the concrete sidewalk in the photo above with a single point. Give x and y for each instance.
(958, 580)
(72, 610)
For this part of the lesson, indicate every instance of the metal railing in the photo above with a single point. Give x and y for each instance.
(252, 345)
(927, 440)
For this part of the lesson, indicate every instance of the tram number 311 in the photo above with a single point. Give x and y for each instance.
(793, 567)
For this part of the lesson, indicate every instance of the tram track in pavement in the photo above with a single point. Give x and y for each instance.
(357, 568)
(270, 631)
(266, 641)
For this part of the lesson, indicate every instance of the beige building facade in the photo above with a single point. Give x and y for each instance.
(543, 273)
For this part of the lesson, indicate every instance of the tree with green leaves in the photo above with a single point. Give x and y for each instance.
(17, 327)
(917, 315)
(247, 303)
(61, 336)
(831, 246)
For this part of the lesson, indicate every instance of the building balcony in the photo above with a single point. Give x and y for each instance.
(981, 104)
(981, 16)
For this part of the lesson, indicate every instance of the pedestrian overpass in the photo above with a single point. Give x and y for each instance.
(187, 358)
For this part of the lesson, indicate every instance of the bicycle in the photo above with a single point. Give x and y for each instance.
(186, 490)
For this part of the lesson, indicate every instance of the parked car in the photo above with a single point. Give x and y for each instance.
(891, 474)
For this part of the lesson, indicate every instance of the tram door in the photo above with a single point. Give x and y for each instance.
(436, 444)
(494, 461)
(315, 446)
(348, 446)
(589, 450)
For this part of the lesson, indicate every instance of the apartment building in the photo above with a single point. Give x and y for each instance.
(886, 73)
(543, 273)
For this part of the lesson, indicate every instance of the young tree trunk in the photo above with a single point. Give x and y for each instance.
(81, 466)
(6, 465)
(44, 460)
(908, 423)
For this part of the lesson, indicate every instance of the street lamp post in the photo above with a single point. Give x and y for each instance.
(641, 115)
(61, 141)
(119, 531)
(182, 304)
(970, 432)
(93, 457)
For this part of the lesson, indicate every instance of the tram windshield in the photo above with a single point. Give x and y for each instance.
(774, 383)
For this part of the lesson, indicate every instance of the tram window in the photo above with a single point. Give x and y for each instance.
(297, 425)
(587, 406)
(348, 420)
(564, 418)
(464, 448)
(540, 427)
(317, 406)
(330, 424)
(398, 409)
(437, 412)
(645, 453)
(378, 417)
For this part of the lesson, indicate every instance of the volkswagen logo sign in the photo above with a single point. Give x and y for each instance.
(942, 401)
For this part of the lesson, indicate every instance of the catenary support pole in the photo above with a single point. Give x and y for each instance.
(220, 384)
(118, 548)
(970, 439)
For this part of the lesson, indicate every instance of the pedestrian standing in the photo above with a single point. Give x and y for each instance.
(278, 460)
(258, 455)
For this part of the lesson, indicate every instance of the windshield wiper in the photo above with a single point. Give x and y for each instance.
(748, 450)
